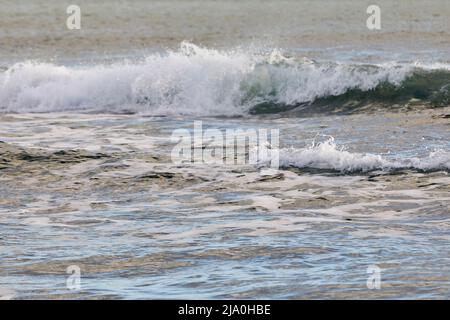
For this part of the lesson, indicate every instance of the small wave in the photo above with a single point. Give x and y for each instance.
(200, 81)
(327, 156)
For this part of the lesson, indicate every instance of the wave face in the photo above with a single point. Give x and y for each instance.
(328, 157)
(199, 81)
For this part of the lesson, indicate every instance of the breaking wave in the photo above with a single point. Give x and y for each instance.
(200, 81)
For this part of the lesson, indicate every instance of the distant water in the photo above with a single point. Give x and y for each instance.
(316, 28)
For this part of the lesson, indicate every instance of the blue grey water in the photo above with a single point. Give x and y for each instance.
(87, 178)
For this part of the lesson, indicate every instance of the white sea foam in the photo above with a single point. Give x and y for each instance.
(328, 156)
(190, 81)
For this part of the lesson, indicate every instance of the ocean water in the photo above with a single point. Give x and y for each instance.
(88, 178)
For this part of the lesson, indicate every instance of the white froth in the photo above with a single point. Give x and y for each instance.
(328, 156)
(190, 81)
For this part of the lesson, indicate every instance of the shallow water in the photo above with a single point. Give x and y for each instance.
(140, 226)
